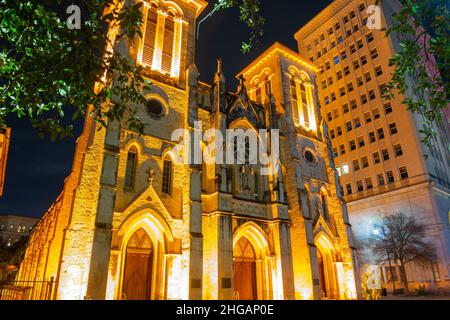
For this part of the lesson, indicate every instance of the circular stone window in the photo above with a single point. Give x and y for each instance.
(155, 108)
(310, 156)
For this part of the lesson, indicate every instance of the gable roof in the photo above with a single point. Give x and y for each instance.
(284, 51)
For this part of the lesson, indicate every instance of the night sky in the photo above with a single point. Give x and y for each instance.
(36, 168)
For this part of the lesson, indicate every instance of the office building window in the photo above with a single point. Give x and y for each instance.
(376, 158)
(398, 150)
(360, 81)
(361, 142)
(380, 132)
(393, 128)
(378, 71)
(332, 134)
(350, 87)
(376, 114)
(342, 149)
(365, 162)
(374, 53)
(356, 165)
(385, 153)
(387, 108)
(403, 173)
(345, 108)
(364, 99)
(390, 177)
(349, 189)
(349, 126)
(363, 60)
(347, 70)
(369, 184)
(360, 186)
(380, 178)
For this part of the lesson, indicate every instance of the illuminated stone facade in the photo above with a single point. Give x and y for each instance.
(132, 223)
(376, 144)
(5, 137)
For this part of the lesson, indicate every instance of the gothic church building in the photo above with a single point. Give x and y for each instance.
(133, 224)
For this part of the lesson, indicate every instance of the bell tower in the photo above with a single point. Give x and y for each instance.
(167, 46)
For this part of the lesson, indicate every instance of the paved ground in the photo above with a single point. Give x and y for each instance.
(393, 298)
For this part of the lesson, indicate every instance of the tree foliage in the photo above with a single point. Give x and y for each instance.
(422, 68)
(49, 72)
(400, 239)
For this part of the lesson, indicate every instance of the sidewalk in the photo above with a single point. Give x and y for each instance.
(400, 298)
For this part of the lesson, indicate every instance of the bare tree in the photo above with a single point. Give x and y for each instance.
(399, 238)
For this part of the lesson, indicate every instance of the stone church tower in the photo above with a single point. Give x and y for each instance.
(133, 223)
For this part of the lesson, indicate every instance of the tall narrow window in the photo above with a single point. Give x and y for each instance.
(169, 33)
(150, 36)
(130, 171)
(304, 104)
(259, 94)
(325, 212)
(294, 98)
(167, 177)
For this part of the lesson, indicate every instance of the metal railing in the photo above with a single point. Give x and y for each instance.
(27, 290)
(334, 295)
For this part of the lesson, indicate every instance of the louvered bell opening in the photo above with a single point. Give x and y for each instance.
(150, 37)
(169, 33)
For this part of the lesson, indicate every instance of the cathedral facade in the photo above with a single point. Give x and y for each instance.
(134, 224)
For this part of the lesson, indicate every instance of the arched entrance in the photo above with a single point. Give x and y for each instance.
(254, 266)
(325, 292)
(245, 283)
(138, 270)
(327, 274)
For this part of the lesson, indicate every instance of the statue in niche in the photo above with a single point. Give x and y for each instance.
(229, 179)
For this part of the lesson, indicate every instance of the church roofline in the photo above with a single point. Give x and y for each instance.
(200, 4)
(280, 48)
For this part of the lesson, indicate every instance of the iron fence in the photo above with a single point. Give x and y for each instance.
(27, 290)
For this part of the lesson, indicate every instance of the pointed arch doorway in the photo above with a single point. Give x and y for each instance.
(327, 273)
(137, 278)
(245, 283)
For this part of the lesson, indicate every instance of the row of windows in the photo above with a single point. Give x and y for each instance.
(360, 142)
(20, 228)
(368, 116)
(346, 20)
(343, 91)
(382, 179)
(343, 54)
(363, 163)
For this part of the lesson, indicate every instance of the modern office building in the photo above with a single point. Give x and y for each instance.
(376, 143)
